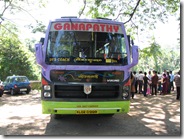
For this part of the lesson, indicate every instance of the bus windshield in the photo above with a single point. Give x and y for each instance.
(85, 48)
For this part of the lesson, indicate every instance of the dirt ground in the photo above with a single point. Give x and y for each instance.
(149, 116)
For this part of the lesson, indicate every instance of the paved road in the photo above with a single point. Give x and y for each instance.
(154, 115)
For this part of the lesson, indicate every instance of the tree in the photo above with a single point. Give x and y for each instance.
(16, 6)
(24, 7)
(154, 57)
(153, 51)
(147, 12)
(15, 58)
(137, 15)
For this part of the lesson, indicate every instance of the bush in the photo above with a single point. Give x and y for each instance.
(35, 85)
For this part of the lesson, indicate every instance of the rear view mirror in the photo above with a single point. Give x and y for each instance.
(42, 40)
(135, 55)
(39, 53)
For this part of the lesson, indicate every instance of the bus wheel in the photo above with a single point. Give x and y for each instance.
(109, 115)
(56, 116)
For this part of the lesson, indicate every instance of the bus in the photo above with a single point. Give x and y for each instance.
(85, 66)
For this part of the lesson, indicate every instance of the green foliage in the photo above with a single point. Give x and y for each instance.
(123, 9)
(40, 27)
(156, 58)
(35, 85)
(15, 58)
(26, 8)
(143, 17)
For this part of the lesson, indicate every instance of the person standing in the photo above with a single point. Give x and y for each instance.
(169, 87)
(171, 80)
(140, 81)
(149, 76)
(177, 81)
(160, 81)
(136, 81)
(165, 85)
(154, 80)
(132, 78)
(145, 83)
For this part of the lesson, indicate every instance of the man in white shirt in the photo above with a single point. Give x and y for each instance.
(140, 81)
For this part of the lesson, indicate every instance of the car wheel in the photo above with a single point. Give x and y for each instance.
(1, 93)
(12, 92)
(27, 92)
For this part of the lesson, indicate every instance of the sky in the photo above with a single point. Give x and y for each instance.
(166, 34)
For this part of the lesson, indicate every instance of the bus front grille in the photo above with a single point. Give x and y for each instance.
(77, 91)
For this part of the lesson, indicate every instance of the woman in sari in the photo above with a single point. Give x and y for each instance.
(165, 84)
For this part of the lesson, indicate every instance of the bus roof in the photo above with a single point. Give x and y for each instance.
(97, 20)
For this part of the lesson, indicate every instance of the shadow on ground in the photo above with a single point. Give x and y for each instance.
(151, 116)
(148, 116)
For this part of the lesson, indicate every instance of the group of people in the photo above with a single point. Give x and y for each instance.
(154, 82)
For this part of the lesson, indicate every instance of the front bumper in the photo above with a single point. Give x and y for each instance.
(108, 107)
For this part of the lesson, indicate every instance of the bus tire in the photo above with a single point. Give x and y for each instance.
(109, 115)
(56, 116)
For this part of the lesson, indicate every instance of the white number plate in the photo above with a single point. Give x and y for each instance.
(24, 89)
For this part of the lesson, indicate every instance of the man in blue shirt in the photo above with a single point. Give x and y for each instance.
(171, 81)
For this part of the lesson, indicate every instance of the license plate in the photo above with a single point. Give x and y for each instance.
(23, 89)
(87, 112)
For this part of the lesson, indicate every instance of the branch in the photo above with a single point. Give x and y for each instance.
(118, 14)
(81, 12)
(131, 15)
(8, 30)
(6, 7)
(26, 12)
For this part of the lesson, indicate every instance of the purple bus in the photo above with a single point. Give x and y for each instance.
(86, 65)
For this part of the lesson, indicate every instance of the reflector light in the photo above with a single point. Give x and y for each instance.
(128, 83)
(44, 82)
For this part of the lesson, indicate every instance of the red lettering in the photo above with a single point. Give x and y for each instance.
(58, 26)
(88, 26)
(108, 28)
(116, 28)
(81, 27)
(96, 27)
(74, 26)
(66, 26)
(102, 27)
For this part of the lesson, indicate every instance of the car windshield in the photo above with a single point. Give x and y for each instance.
(80, 47)
(21, 79)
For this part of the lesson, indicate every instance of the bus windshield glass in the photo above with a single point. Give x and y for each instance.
(79, 47)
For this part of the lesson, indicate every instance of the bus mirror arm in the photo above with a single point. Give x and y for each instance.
(42, 40)
(135, 55)
(39, 55)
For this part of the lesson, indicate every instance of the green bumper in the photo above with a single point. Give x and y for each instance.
(110, 107)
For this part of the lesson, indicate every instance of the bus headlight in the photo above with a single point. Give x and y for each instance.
(47, 94)
(125, 92)
(46, 87)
